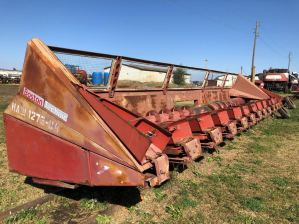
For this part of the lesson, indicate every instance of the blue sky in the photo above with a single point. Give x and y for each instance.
(182, 32)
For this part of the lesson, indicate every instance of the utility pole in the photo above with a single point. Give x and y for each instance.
(241, 69)
(253, 67)
(289, 61)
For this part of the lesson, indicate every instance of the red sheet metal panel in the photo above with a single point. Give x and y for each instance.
(220, 117)
(24, 109)
(158, 135)
(136, 141)
(105, 172)
(48, 78)
(271, 94)
(259, 105)
(201, 122)
(37, 153)
(245, 110)
(246, 89)
(180, 130)
(234, 112)
(252, 107)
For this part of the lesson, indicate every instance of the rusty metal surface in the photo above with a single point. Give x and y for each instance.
(216, 136)
(48, 100)
(246, 89)
(244, 123)
(106, 172)
(143, 101)
(161, 162)
(201, 122)
(179, 129)
(234, 113)
(192, 148)
(220, 117)
(44, 75)
(27, 111)
(135, 141)
(38, 154)
(114, 76)
(167, 79)
(232, 128)
(54, 183)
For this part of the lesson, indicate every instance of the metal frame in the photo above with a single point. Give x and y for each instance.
(111, 85)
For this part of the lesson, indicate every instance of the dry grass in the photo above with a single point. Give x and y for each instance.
(148, 85)
(8, 89)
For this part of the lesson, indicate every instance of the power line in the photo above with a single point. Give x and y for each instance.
(209, 18)
(232, 27)
(295, 60)
(295, 65)
(273, 39)
(270, 47)
(233, 12)
(250, 21)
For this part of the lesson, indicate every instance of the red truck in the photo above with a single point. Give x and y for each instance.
(278, 79)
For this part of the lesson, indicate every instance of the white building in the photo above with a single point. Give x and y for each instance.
(143, 73)
(230, 80)
(10, 73)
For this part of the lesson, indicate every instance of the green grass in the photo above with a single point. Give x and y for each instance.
(280, 181)
(102, 219)
(189, 103)
(179, 204)
(23, 216)
(254, 204)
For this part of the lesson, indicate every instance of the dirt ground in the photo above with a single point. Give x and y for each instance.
(8, 89)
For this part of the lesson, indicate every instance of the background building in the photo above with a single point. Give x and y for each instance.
(10, 73)
(230, 80)
(140, 73)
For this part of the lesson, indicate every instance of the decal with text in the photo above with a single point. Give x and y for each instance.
(39, 100)
(43, 120)
(56, 111)
(31, 95)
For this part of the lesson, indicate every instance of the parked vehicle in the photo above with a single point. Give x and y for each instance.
(279, 80)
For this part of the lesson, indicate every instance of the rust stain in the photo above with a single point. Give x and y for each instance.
(138, 103)
(153, 101)
(163, 104)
